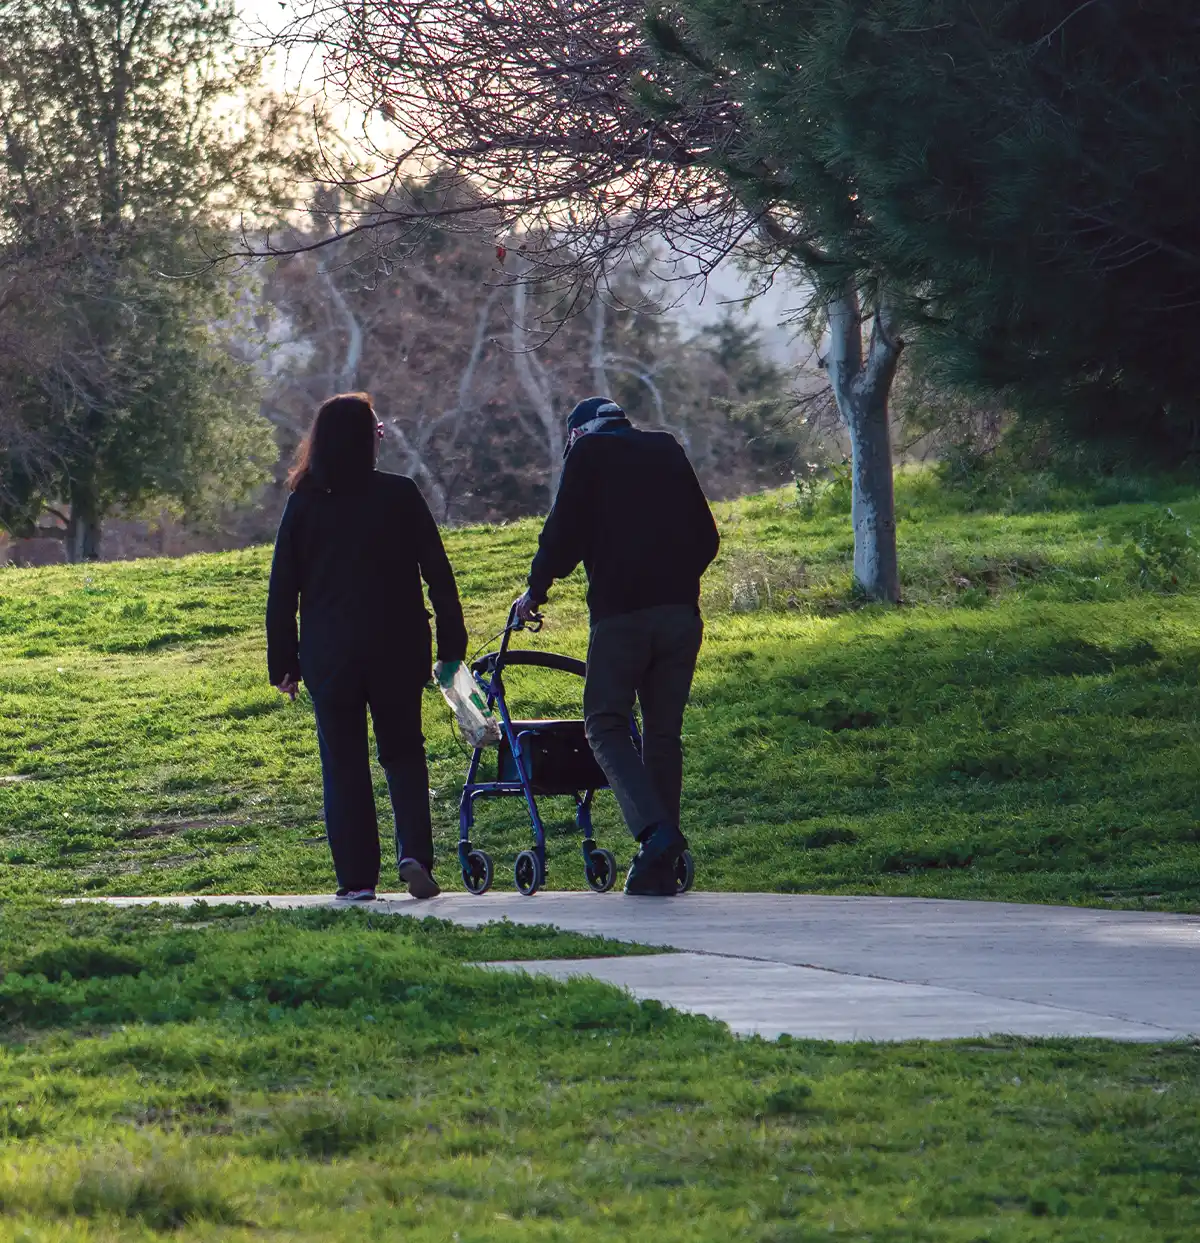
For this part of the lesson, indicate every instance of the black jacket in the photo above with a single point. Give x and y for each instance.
(354, 561)
(630, 508)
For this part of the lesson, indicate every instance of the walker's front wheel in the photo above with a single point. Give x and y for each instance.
(601, 871)
(528, 874)
(479, 873)
(685, 872)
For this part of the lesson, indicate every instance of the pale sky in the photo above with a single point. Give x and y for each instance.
(302, 68)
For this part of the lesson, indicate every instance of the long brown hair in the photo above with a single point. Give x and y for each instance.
(339, 450)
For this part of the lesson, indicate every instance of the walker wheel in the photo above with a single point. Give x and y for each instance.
(685, 872)
(478, 874)
(528, 873)
(601, 871)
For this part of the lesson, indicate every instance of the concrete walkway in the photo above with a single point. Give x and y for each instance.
(865, 968)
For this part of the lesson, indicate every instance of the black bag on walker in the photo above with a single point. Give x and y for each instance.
(558, 758)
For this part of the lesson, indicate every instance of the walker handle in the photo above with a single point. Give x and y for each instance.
(515, 623)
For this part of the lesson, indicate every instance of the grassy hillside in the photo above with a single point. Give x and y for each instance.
(1025, 727)
(310, 1076)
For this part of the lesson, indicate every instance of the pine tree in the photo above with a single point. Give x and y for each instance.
(1016, 173)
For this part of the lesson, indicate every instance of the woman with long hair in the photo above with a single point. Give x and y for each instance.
(354, 544)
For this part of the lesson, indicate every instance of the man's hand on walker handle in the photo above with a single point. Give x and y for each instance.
(290, 687)
(527, 608)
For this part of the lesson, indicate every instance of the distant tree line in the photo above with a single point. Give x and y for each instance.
(473, 374)
(137, 376)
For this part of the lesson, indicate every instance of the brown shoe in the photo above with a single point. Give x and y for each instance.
(419, 879)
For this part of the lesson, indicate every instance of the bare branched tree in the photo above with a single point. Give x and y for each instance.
(559, 128)
(525, 110)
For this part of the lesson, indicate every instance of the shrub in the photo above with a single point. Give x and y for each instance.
(1162, 553)
(792, 1098)
(81, 960)
(823, 490)
(325, 1127)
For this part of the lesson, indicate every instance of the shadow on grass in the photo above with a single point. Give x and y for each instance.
(1042, 738)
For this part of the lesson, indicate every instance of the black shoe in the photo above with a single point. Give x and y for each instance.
(419, 879)
(652, 880)
(652, 873)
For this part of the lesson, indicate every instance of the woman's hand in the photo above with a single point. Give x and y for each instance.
(290, 687)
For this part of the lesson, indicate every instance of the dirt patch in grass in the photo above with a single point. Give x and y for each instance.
(169, 828)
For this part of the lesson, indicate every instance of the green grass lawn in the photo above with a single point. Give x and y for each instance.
(1024, 728)
(249, 1075)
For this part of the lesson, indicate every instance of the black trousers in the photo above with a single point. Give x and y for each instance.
(394, 700)
(649, 655)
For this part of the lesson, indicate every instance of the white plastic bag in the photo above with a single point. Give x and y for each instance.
(460, 690)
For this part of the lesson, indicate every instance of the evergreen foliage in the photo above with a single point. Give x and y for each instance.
(1018, 172)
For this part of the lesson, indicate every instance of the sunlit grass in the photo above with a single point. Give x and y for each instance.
(1023, 728)
(313, 1075)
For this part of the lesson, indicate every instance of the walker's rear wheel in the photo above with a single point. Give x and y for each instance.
(685, 872)
(601, 871)
(479, 873)
(528, 874)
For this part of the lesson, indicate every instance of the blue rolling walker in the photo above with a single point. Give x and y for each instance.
(538, 758)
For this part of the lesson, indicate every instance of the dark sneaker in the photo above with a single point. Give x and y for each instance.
(355, 895)
(652, 873)
(650, 880)
(419, 879)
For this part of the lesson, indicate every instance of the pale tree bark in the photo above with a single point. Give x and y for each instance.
(602, 361)
(535, 380)
(862, 383)
(416, 466)
(599, 353)
(416, 447)
(466, 384)
(646, 374)
(347, 376)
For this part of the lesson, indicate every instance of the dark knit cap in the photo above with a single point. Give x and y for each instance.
(592, 408)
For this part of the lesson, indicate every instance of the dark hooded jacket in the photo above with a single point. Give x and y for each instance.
(630, 507)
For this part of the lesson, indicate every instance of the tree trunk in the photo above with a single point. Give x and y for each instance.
(83, 529)
(873, 509)
(861, 387)
(347, 381)
(532, 376)
(599, 357)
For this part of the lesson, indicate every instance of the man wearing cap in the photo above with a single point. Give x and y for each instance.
(630, 508)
